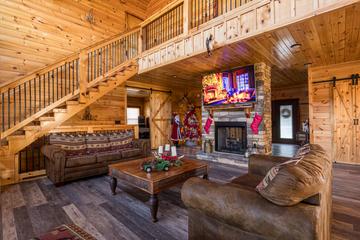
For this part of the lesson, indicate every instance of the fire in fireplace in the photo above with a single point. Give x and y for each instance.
(230, 137)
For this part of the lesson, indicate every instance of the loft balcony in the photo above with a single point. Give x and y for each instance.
(183, 28)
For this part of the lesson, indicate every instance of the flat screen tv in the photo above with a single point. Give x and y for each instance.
(236, 86)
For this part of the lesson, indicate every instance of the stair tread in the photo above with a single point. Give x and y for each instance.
(32, 128)
(93, 90)
(72, 102)
(60, 110)
(47, 119)
(16, 137)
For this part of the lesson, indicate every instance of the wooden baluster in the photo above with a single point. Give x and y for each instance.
(57, 84)
(30, 95)
(49, 95)
(65, 79)
(53, 85)
(69, 78)
(39, 79)
(61, 81)
(8, 108)
(83, 74)
(19, 91)
(95, 76)
(3, 111)
(73, 76)
(44, 92)
(14, 99)
(77, 74)
(25, 101)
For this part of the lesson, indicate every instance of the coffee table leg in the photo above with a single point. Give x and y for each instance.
(154, 203)
(206, 176)
(113, 184)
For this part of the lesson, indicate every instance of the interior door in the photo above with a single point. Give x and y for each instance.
(346, 119)
(160, 118)
(285, 120)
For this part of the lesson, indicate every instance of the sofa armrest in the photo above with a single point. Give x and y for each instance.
(247, 210)
(144, 145)
(55, 164)
(261, 164)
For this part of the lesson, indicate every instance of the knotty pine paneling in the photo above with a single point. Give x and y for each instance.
(106, 110)
(327, 120)
(36, 33)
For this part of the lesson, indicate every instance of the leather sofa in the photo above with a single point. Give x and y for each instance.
(236, 211)
(72, 156)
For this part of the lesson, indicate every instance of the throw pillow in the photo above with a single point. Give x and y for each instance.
(300, 180)
(271, 174)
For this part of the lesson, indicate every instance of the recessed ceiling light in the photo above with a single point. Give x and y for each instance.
(174, 76)
(295, 45)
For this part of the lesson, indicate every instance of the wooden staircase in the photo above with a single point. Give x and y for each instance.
(33, 106)
(68, 110)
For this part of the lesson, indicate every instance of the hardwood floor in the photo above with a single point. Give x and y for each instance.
(31, 208)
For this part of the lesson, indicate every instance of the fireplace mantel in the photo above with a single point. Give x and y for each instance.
(262, 140)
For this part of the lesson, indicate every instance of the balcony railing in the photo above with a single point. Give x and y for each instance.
(163, 28)
(202, 11)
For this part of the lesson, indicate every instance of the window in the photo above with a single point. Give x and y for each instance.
(132, 115)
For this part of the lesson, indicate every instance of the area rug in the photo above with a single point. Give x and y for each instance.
(66, 232)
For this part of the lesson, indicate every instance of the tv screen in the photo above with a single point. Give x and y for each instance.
(230, 87)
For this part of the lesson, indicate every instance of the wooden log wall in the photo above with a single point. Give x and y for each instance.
(34, 34)
(333, 110)
(109, 109)
(299, 92)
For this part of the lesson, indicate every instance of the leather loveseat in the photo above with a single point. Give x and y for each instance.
(236, 211)
(72, 156)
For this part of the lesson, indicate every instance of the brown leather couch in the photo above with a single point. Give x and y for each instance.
(236, 211)
(71, 157)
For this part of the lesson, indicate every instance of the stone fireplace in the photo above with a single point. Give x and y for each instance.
(230, 137)
(231, 134)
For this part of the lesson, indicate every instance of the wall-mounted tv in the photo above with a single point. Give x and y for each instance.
(236, 86)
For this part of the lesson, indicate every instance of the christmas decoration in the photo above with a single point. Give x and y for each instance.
(255, 123)
(176, 129)
(191, 125)
(208, 123)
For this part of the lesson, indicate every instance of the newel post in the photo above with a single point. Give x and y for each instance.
(83, 75)
(186, 17)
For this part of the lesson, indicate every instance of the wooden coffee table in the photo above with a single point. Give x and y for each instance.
(155, 182)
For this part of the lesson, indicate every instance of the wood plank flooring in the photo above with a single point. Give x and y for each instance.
(32, 208)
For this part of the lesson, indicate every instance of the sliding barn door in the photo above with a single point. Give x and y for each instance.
(346, 130)
(160, 118)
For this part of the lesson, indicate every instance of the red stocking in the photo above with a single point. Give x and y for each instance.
(255, 123)
(208, 123)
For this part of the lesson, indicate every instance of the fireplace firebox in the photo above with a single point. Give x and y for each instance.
(230, 137)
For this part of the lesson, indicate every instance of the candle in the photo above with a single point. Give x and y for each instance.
(161, 150)
(173, 151)
(167, 147)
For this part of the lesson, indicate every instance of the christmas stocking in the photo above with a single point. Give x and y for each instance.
(208, 123)
(255, 123)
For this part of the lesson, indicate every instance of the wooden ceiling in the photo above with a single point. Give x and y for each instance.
(325, 39)
(35, 33)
